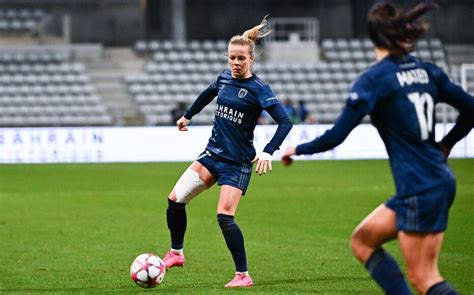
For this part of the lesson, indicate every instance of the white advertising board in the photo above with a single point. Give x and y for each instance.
(160, 144)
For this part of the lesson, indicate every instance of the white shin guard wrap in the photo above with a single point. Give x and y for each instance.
(188, 186)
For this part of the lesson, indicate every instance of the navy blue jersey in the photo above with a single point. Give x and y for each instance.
(239, 105)
(400, 96)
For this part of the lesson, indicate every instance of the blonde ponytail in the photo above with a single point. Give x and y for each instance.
(251, 35)
(257, 32)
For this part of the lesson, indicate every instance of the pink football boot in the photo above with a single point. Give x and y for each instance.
(173, 259)
(240, 280)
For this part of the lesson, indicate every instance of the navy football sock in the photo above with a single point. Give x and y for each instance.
(441, 288)
(176, 218)
(234, 240)
(385, 271)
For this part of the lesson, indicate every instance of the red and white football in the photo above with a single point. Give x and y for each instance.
(147, 270)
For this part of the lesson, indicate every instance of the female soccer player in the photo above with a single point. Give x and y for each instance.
(399, 92)
(228, 157)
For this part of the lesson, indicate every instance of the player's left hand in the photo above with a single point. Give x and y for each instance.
(444, 148)
(264, 163)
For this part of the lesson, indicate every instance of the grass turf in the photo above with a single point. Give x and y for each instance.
(76, 228)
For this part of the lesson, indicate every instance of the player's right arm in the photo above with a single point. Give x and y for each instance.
(361, 101)
(203, 100)
(182, 123)
(348, 120)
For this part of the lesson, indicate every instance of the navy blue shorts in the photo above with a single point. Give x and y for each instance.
(226, 172)
(425, 212)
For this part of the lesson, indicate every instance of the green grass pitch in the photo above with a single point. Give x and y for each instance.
(76, 228)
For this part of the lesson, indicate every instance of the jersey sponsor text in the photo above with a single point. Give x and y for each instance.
(229, 114)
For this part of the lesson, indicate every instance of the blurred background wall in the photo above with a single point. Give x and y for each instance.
(122, 22)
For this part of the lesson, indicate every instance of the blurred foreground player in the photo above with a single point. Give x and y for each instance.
(399, 93)
(228, 157)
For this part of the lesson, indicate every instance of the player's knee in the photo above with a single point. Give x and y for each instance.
(226, 209)
(188, 186)
(356, 248)
(360, 250)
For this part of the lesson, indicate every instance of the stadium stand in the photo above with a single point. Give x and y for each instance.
(41, 88)
(347, 51)
(21, 20)
(354, 50)
(105, 83)
(179, 71)
(469, 79)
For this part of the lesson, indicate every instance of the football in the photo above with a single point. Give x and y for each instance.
(147, 270)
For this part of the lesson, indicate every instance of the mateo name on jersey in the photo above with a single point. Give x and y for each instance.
(417, 76)
(229, 114)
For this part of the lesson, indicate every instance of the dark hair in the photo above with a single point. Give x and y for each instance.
(392, 28)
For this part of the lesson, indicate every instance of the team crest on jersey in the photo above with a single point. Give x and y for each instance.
(243, 92)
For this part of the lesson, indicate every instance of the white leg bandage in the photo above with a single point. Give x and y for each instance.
(188, 186)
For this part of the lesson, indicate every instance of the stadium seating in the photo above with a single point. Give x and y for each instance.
(176, 71)
(21, 20)
(43, 89)
(180, 71)
(470, 81)
(354, 50)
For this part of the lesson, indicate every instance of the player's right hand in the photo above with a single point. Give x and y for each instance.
(182, 123)
(286, 159)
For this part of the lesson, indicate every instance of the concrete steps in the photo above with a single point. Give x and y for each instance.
(107, 75)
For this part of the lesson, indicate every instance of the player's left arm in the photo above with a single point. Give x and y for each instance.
(455, 96)
(463, 126)
(277, 112)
